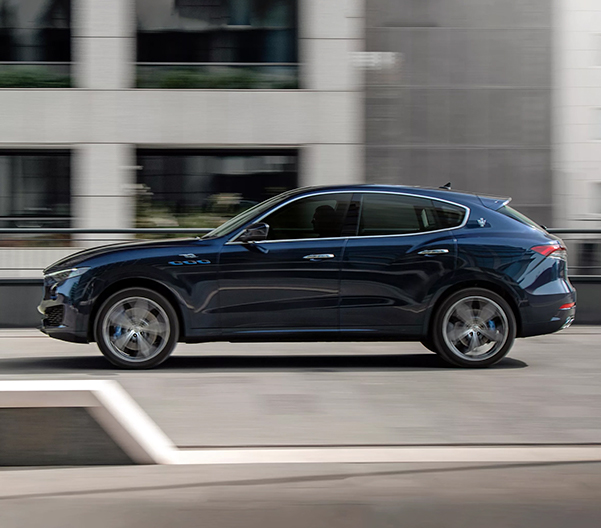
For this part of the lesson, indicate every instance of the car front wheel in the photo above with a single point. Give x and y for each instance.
(474, 328)
(136, 328)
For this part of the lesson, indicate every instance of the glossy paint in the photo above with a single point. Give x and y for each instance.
(377, 287)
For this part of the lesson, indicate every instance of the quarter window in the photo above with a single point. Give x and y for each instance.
(389, 214)
(313, 217)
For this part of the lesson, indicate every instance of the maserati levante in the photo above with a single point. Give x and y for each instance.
(463, 274)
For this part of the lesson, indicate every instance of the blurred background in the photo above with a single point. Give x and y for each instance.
(122, 114)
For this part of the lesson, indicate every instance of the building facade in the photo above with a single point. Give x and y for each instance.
(124, 113)
(213, 95)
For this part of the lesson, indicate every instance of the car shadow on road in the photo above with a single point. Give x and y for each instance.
(239, 363)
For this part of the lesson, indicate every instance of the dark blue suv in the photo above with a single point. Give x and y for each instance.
(463, 274)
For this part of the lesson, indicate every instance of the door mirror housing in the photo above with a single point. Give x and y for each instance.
(254, 233)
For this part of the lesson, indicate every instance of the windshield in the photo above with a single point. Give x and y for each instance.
(516, 215)
(238, 221)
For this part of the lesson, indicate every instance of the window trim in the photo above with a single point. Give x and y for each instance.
(467, 210)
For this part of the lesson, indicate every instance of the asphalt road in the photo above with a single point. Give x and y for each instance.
(324, 496)
(548, 391)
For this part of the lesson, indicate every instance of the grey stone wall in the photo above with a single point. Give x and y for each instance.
(469, 100)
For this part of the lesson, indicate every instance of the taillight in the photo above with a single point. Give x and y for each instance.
(552, 250)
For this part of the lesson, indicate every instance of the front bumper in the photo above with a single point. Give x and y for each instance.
(61, 317)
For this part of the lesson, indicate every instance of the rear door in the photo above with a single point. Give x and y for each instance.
(402, 250)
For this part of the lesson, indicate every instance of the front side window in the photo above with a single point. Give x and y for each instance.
(217, 43)
(393, 214)
(319, 216)
(35, 44)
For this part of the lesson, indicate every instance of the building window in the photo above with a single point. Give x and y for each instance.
(204, 188)
(35, 188)
(35, 43)
(217, 44)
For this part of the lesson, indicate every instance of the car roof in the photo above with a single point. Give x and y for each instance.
(462, 197)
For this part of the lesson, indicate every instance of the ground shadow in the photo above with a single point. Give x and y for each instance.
(229, 363)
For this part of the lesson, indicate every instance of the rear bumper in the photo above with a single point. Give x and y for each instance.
(546, 314)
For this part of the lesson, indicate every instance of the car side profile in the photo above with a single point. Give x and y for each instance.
(463, 274)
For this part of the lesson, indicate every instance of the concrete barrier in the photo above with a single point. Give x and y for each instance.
(76, 423)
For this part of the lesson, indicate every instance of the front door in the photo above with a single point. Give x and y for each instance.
(291, 281)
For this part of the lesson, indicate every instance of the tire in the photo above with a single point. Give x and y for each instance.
(474, 328)
(136, 328)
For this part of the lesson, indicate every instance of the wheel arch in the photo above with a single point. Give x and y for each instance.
(494, 287)
(137, 282)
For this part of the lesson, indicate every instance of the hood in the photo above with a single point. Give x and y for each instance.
(75, 259)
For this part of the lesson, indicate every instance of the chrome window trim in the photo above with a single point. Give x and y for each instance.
(463, 223)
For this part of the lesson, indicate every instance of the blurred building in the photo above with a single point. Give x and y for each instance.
(114, 109)
(117, 113)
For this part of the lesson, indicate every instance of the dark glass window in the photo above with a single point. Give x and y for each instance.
(35, 188)
(314, 217)
(217, 44)
(204, 188)
(448, 215)
(216, 30)
(34, 32)
(390, 214)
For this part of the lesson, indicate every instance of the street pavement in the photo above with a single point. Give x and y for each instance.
(547, 392)
(322, 496)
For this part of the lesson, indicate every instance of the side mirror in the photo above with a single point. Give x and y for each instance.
(254, 233)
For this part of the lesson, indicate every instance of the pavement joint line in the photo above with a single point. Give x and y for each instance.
(368, 455)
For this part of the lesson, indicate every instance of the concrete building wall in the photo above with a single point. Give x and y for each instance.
(468, 100)
(577, 109)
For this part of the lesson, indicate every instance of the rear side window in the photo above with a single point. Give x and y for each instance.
(516, 215)
(394, 214)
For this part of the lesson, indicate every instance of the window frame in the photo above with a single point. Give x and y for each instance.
(354, 192)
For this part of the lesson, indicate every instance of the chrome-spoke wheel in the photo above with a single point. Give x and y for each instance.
(475, 328)
(136, 329)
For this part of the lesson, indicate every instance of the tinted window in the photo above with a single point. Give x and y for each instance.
(448, 215)
(390, 214)
(315, 217)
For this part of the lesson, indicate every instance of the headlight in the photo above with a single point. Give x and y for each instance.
(63, 275)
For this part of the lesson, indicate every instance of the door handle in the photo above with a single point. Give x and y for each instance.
(319, 256)
(429, 252)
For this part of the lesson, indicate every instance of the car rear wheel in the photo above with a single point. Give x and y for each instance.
(136, 328)
(474, 328)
